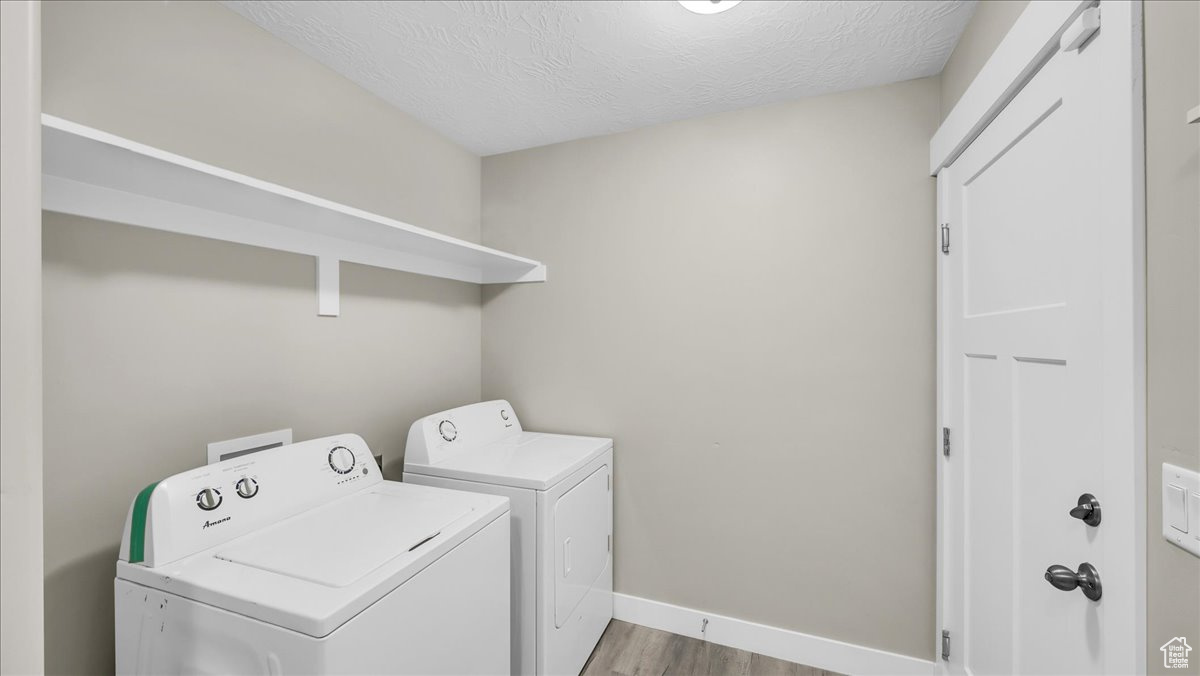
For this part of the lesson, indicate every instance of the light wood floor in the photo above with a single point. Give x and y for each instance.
(632, 650)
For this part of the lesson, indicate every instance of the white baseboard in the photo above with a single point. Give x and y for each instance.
(793, 646)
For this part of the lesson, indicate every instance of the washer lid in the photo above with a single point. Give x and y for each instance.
(337, 546)
(526, 460)
(313, 572)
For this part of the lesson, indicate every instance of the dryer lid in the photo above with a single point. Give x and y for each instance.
(339, 545)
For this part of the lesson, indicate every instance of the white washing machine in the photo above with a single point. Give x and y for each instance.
(560, 493)
(302, 559)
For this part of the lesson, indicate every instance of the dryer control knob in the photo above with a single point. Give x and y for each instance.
(448, 431)
(247, 487)
(341, 459)
(208, 499)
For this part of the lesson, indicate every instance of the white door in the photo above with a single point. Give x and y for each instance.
(1039, 362)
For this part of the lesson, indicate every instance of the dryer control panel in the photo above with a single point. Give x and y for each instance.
(436, 437)
(213, 504)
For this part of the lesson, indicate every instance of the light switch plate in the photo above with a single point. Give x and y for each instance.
(1181, 507)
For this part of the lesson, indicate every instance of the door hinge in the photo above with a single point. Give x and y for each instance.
(945, 238)
(946, 441)
(608, 482)
(610, 542)
(946, 644)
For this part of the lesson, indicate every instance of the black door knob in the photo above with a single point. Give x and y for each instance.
(1088, 510)
(1087, 578)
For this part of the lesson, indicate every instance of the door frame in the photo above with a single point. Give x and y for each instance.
(1033, 39)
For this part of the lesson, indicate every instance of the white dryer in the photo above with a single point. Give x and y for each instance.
(560, 493)
(302, 559)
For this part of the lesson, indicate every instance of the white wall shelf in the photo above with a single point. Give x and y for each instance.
(87, 172)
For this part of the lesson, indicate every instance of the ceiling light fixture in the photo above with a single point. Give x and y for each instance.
(708, 6)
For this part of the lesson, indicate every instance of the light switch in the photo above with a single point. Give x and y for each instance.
(1176, 514)
(1181, 507)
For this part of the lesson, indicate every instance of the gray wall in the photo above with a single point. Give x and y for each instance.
(1172, 308)
(158, 343)
(1172, 51)
(745, 302)
(983, 34)
(20, 339)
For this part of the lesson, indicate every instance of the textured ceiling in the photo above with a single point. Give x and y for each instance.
(501, 76)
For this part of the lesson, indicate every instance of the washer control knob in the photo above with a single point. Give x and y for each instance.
(341, 459)
(208, 499)
(448, 431)
(247, 487)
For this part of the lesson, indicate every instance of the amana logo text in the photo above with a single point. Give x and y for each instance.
(213, 523)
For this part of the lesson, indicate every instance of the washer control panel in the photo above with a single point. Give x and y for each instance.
(210, 505)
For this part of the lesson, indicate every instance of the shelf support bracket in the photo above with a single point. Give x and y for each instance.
(328, 286)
